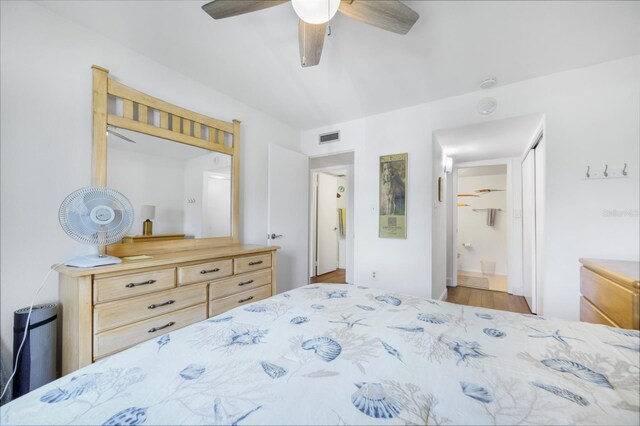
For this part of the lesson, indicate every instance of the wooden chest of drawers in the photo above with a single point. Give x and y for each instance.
(108, 309)
(610, 293)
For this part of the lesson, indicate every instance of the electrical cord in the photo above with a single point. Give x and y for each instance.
(26, 332)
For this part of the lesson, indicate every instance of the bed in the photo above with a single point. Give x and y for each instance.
(329, 354)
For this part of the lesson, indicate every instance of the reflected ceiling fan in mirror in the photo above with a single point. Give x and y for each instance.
(390, 15)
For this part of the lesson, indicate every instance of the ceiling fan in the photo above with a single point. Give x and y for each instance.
(390, 15)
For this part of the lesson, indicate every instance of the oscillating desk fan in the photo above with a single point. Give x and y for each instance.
(97, 216)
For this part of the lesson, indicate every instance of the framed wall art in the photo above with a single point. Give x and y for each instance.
(393, 196)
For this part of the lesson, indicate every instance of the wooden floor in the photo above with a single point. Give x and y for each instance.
(339, 276)
(487, 299)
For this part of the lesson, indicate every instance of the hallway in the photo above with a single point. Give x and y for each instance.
(337, 277)
(487, 299)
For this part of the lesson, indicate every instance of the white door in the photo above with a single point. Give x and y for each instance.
(529, 229)
(288, 215)
(327, 224)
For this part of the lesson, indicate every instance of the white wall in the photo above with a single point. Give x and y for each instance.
(46, 140)
(158, 182)
(210, 214)
(591, 117)
(402, 265)
(439, 225)
(488, 243)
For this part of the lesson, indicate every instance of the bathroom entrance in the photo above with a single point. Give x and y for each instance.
(482, 237)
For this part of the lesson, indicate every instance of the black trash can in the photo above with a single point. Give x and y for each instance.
(37, 364)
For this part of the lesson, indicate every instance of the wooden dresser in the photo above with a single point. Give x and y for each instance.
(110, 308)
(610, 292)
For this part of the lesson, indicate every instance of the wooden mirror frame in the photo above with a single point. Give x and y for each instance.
(176, 124)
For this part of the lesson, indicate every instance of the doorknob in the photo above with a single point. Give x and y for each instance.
(274, 236)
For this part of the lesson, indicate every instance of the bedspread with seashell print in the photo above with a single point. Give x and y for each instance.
(341, 354)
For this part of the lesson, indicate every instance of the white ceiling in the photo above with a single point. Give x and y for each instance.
(365, 70)
(504, 138)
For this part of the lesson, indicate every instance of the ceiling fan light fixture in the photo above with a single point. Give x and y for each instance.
(315, 11)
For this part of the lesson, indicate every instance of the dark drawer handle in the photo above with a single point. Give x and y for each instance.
(153, 305)
(245, 300)
(255, 263)
(245, 282)
(131, 285)
(154, 329)
(208, 271)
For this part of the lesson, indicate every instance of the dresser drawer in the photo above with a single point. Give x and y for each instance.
(251, 263)
(205, 271)
(591, 314)
(121, 287)
(219, 306)
(122, 312)
(239, 283)
(123, 337)
(613, 300)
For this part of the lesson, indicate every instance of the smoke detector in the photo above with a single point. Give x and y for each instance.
(488, 83)
(487, 105)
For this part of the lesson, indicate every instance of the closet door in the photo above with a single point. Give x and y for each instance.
(529, 229)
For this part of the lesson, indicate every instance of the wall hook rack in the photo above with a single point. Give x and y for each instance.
(607, 173)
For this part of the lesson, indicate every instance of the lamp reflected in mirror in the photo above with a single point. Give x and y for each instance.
(148, 213)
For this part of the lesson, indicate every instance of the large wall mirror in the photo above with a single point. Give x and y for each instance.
(183, 190)
(178, 168)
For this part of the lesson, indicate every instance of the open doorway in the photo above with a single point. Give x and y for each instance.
(331, 242)
(482, 240)
(488, 261)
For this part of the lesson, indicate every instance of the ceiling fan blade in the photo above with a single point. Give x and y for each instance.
(311, 40)
(219, 9)
(390, 15)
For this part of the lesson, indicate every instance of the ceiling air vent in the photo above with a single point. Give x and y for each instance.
(329, 137)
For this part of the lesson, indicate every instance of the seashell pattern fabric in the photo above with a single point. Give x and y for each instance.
(327, 349)
(476, 392)
(430, 318)
(374, 401)
(372, 357)
(494, 333)
(299, 320)
(274, 371)
(192, 371)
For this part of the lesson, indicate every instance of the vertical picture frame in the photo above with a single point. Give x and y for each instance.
(392, 212)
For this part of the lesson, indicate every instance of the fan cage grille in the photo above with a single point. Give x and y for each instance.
(75, 210)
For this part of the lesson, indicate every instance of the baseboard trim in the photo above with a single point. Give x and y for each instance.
(444, 294)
